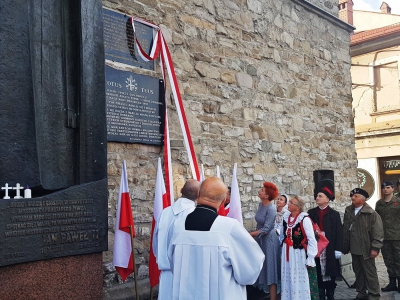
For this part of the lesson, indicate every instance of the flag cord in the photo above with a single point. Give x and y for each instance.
(134, 263)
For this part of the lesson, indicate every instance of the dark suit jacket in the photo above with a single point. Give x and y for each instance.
(334, 233)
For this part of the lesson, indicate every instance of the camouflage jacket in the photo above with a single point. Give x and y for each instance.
(390, 215)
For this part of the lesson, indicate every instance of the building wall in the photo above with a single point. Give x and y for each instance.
(376, 105)
(265, 84)
(376, 88)
(366, 20)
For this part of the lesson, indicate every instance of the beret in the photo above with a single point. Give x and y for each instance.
(359, 191)
(387, 183)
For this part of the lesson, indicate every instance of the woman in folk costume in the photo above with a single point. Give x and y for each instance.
(298, 267)
(281, 207)
(268, 239)
(328, 220)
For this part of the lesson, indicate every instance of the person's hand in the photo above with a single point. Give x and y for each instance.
(338, 254)
(373, 254)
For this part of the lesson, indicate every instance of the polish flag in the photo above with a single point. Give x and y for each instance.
(235, 210)
(122, 259)
(160, 199)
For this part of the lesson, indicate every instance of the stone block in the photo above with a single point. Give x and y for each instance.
(206, 70)
(233, 132)
(255, 6)
(244, 80)
(231, 5)
(177, 38)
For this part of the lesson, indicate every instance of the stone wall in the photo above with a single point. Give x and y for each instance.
(265, 84)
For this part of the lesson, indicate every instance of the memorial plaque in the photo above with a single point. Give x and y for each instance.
(65, 223)
(119, 39)
(135, 107)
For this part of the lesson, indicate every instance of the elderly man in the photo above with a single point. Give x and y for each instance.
(212, 257)
(181, 208)
(328, 220)
(389, 209)
(363, 238)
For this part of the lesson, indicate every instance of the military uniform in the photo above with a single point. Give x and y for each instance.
(390, 215)
(361, 234)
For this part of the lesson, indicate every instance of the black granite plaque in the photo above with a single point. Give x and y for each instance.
(119, 39)
(69, 222)
(135, 107)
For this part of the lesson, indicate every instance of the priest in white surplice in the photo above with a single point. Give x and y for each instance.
(212, 257)
(181, 208)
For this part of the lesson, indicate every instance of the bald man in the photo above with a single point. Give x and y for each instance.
(212, 257)
(180, 208)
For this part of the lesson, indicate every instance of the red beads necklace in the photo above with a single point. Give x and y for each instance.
(291, 223)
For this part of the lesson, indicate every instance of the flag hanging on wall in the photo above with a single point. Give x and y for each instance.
(122, 258)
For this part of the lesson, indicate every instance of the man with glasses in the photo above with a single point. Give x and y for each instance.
(389, 209)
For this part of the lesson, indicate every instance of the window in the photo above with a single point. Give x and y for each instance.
(384, 77)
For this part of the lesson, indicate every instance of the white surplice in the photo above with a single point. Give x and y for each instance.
(181, 208)
(294, 275)
(215, 264)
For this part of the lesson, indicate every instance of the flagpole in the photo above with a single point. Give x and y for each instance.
(151, 293)
(134, 264)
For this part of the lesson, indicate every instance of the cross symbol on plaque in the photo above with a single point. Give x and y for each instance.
(18, 187)
(6, 188)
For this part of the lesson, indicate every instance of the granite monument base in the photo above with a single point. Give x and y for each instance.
(73, 277)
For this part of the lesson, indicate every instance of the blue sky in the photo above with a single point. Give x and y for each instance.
(373, 5)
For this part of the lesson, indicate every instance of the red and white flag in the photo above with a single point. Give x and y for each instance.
(122, 259)
(160, 202)
(235, 210)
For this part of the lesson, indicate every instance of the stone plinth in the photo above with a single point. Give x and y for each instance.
(73, 277)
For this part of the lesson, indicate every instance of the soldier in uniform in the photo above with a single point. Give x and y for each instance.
(389, 209)
(397, 194)
(363, 238)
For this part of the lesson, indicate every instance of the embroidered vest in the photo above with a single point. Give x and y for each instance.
(297, 235)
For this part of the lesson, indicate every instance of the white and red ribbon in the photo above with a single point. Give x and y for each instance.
(160, 47)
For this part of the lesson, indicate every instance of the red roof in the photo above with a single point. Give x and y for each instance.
(369, 35)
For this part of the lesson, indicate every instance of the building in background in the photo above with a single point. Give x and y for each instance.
(375, 70)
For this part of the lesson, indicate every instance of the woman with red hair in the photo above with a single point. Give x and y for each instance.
(268, 240)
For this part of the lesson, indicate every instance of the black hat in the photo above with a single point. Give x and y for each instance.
(398, 182)
(327, 192)
(387, 183)
(359, 191)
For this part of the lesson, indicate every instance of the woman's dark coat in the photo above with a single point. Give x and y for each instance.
(334, 233)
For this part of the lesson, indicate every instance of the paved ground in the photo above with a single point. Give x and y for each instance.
(342, 291)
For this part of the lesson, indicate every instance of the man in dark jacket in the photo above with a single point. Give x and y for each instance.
(363, 238)
(328, 220)
(389, 209)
